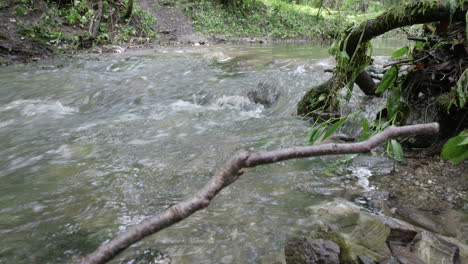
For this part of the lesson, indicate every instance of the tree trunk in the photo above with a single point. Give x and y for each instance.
(129, 11)
(410, 14)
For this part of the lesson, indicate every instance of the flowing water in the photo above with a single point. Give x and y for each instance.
(91, 145)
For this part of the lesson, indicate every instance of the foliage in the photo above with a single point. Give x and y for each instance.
(461, 89)
(320, 131)
(400, 52)
(388, 79)
(456, 148)
(76, 16)
(267, 18)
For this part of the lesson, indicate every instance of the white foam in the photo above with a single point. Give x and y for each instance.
(31, 108)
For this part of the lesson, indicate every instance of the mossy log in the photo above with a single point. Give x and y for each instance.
(419, 12)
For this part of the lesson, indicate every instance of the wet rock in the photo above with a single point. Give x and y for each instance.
(363, 237)
(112, 49)
(389, 261)
(404, 255)
(369, 238)
(148, 256)
(265, 94)
(338, 215)
(300, 250)
(236, 101)
(426, 247)
(445, 222)
(365, 260)
(378, 165)
(356, 232)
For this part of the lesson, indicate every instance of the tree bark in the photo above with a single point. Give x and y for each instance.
(230, 173)
(415, 13)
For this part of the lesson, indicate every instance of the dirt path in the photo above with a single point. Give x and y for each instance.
(172, 24)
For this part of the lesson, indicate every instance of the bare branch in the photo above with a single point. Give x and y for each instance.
(230, 173)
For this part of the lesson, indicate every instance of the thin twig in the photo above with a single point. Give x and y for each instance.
(230, 173)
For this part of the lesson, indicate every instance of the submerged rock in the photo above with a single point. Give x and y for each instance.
(265, 94)
(148, 256)
(366, 238)
(300, 250)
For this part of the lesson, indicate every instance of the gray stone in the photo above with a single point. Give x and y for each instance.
(265, 94)
(365, 260)
(444, 222)
(148, 256)
(389, 261)
(433, 249)
(300, 250)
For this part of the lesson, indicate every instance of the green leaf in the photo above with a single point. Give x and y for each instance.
(365, 125)
(419, 45)
(316, 132)
(462, 89)
(334, 48)
(395, 102)
(395, 151)
(387, 80)
(344, 56)
(454, 151)
(464, 142)
(400, 52)
(365, 136)
(335, 126)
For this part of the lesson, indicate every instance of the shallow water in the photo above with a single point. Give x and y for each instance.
(94, 144)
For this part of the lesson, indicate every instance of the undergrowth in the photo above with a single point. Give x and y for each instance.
(65, 24)
(270, 18)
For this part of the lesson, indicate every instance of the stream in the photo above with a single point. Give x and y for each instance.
(93, 144)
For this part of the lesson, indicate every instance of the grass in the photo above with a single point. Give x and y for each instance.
(272, 19)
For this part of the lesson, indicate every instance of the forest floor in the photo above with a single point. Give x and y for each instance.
(30, 30)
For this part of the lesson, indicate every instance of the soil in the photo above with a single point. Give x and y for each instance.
(14, 46)
(427, 184)
(173, 26)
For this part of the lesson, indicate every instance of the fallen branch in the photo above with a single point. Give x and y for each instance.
(230, 173)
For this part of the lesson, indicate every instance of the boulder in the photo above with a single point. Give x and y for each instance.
(265, 94)
(300, 250)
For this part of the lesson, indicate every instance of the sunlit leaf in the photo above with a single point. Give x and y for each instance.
(395, 151)
(464, 142)
(454, 151)
(387, 80)
(335, 126)
(400, 52)
(365, 125)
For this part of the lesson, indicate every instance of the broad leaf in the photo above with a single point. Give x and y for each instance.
(464, 142)
(454, 151)
(387, 80)
(365, 125)
(395, 102)
(395, 151)
(400, 52)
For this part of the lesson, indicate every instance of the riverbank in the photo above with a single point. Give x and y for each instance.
(35, 30)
